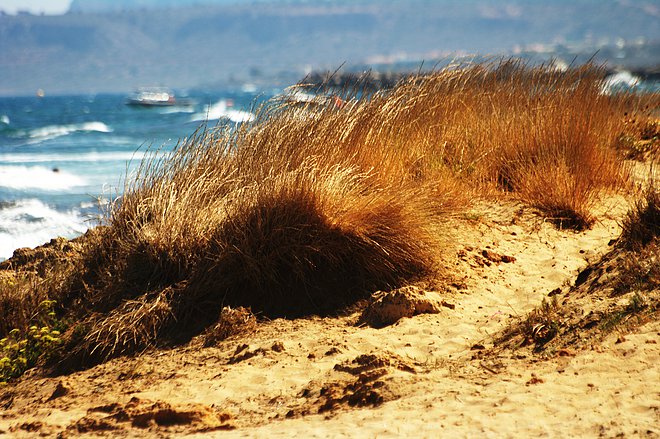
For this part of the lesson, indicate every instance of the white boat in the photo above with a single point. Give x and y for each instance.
(298, 96)
(155, 97)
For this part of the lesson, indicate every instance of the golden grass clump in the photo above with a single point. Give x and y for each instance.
(544, 136)
(244, 219)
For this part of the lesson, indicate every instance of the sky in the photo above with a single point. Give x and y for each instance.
(49, 7)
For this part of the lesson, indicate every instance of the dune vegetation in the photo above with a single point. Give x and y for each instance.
(309, 209)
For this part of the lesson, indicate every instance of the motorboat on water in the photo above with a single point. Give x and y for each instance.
(298, 96)
(155, 97)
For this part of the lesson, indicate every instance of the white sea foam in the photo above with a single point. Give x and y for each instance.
(222, 110)
(37, 177)
(29, 223)
(54, 131)
(620, 80)
(4, 119)
(93, 156)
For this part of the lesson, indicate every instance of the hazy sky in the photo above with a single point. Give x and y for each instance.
(35, 6)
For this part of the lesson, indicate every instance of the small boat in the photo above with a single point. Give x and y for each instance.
(155, 97)
(298, 97)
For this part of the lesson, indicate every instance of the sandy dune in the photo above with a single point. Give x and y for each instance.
(429, 375)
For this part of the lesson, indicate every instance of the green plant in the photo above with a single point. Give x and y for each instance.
(539, 327)
(614, 319)
(21, 350)
(33, 276)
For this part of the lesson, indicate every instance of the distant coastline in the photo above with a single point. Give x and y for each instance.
(276, 43)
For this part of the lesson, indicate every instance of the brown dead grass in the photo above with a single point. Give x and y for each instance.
(642, 223)
(640, 138)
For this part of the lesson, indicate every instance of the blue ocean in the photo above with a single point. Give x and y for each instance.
(63, 157)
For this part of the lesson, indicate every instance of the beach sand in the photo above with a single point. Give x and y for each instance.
(440, 374)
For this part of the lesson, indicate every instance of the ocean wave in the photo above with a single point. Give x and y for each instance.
(100, 202)
(38, 177)
(54, 131)
(92, 156)
(29, 223)
(623, 80)
(222, 110)
(176, 109)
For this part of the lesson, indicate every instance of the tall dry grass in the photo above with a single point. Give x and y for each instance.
(295, 215)
(544, 136)
(311, 208)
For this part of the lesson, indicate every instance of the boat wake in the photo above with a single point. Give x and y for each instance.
(222, 110)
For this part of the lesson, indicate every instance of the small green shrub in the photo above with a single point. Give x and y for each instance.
(616, 319)
(21, 350)
(539, 327)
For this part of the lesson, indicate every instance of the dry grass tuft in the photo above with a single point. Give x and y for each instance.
(640, 137)
(244, 218)
(310, 240)
(232, 321)
(642, 223)
(547, 138)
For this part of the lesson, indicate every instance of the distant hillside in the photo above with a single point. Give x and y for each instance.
(103, 6)
(267, 42)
